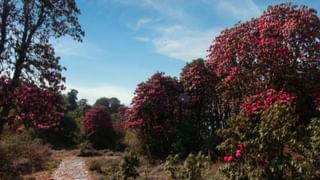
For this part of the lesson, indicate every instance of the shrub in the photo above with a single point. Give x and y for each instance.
(264, 146)
(133, 142)
(172, 165)
(20, 155)
(128, 166)
(189, 169)
(106, 167)
(312, 153)
(120, 133)
(98, 127)
(86, 150)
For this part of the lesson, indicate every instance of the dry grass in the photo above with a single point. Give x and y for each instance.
(105, 166)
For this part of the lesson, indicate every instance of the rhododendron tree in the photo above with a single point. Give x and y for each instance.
(200, 109)
(253, 105)
(98, 127)
(36, 107)
(153, 113)
(270, 138)
(279, 50)
(26, 54)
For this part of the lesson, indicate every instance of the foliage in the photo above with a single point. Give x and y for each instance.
(255, 104)
(128, 166)
(26, 55)
(107, 167)
(71, 100)
(199, 108)
(133, 142)
(172, 165)
(20, 155)
(266, 146)
(98, 127)
(153, 113)
(41, 108)
(312, 153)
(279, 50)
(112, 104)
(189, 169)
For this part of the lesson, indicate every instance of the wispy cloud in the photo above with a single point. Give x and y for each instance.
(175, 35)
(180, 42)
(240, 10)
(92, 93)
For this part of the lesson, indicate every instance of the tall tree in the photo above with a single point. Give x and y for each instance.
(72, 100)
(279, 50)
(153, 113)
(112, 104)
(200, 111)
(26, 54)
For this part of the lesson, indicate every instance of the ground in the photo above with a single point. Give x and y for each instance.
(69, 166)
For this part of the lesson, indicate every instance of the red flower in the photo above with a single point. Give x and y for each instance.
(238, 153)
(228, 158)
(241, 147)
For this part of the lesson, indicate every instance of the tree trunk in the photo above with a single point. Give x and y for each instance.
(3, 117)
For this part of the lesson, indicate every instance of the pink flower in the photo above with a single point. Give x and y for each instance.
(228, 158)
(238, 153)
(241, 147)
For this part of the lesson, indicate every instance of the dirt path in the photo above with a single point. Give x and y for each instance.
(71, 169)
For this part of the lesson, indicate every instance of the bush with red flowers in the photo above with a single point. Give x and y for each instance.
(98, 127)
(270, 139)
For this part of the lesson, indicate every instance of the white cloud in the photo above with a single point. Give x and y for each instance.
(180, 42)
(240, 10)
(92, 93)
(174, 35)
(141, 22)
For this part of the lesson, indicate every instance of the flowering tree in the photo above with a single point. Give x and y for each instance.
(36, 107)
(26, 54)
(264, 141)
(279, 49)
(153, 112)
(98, 127)
(200, 108)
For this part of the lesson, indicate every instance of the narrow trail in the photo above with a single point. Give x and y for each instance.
(71, 169)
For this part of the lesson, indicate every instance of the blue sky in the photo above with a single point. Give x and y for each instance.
(128, 40)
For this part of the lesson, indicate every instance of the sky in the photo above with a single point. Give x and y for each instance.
(127, 41)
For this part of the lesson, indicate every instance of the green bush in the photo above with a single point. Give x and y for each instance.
(189, 169)
(128, 166)
(265, 147)
(311, 164)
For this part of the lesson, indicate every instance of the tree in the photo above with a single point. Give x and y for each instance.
(200, 109)
(26, 54)
(103, 101)
(36, 107)
(72, 100)
(153, 113)
(279, 50)
(98, 127)
(112, 104)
